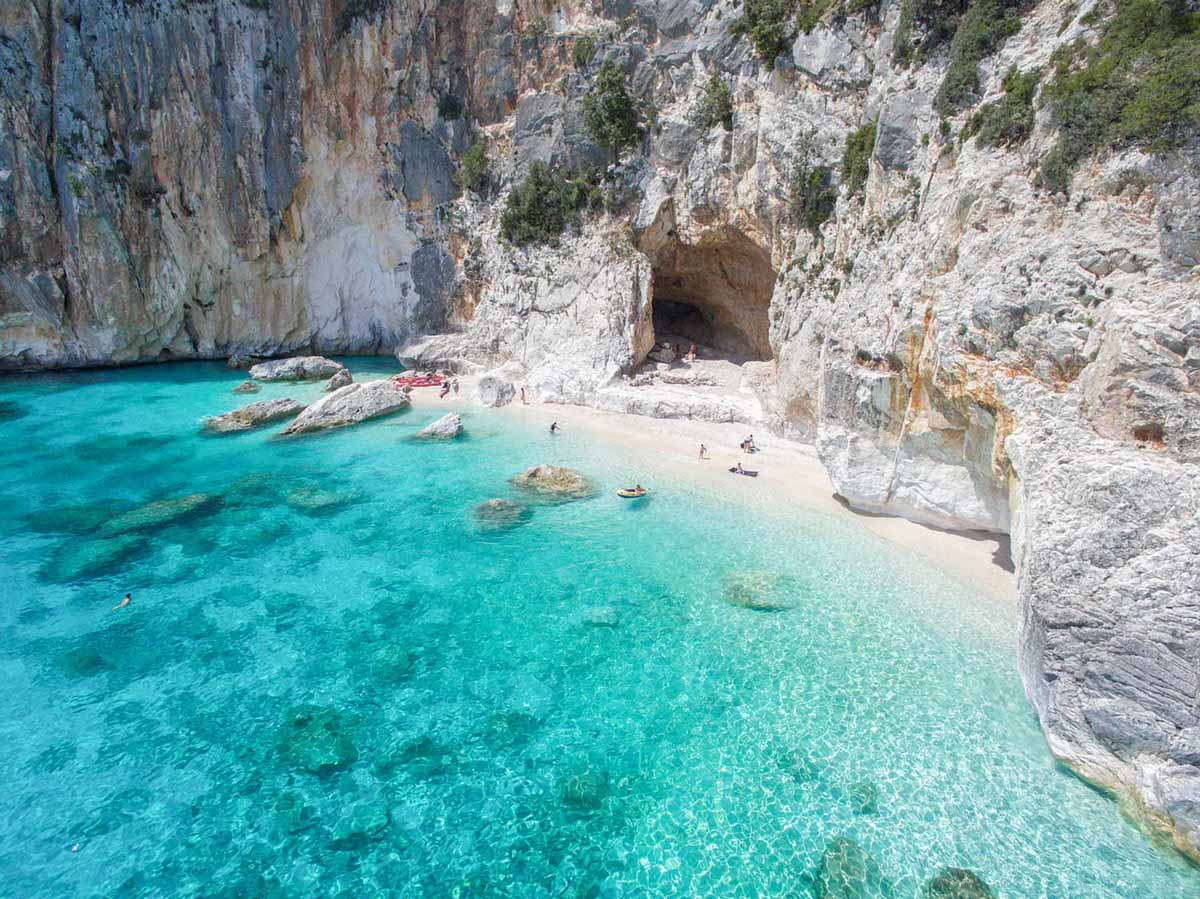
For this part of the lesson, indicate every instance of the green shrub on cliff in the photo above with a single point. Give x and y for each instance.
(583, 52)
(924, 26)
(473, 171)
(766, 23)
(609, 112)
(1006, 122)
(540, 208)
(856, 161)
(1138, 86)
(716, 106)
(983, 28)
(811, 195)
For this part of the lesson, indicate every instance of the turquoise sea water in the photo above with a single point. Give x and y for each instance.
(335, 680)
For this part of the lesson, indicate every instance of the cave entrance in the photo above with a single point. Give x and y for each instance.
(715, 294)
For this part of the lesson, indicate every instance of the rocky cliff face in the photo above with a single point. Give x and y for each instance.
(964, 348)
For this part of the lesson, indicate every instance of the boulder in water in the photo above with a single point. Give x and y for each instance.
(339, 380)
(247, 387)
(500, 514)
(552, 481)
(239, 361)
(957, 883)
(80, 560)
(297, 368)
(253, 416)
(317, 739)
(447, 427)
(494, 389)
(847, 871)
(762, 591)
(350, 405)
(162, 513)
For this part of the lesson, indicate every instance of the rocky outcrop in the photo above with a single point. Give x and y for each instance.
(297, 368)
(247, 387)
(340, 379)
(554, 482)
(447, 427)
(350, 405)
(494, 389)
(253, 416)
(500, 514)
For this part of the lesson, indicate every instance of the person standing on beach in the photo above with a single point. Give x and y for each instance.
(523, 400)
(703, 451)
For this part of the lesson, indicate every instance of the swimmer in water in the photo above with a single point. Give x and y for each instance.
(123, 603)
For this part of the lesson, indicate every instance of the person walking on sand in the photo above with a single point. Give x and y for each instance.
(523, 400)
(703, 451)
(123, 603)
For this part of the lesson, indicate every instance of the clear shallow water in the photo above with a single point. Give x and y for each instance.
(334, 681)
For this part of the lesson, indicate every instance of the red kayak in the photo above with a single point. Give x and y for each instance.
(414, 381)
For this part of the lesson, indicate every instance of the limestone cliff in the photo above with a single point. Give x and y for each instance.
(964, 346)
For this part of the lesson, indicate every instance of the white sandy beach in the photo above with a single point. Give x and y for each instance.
(789, 473)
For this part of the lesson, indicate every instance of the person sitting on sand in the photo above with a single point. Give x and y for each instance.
(691, 354)
(737, 469)
(123, 603)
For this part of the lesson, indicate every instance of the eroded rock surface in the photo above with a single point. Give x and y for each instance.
(554, 482)
(255, 415)
(447, 427)
(297, 368)
(350, 405)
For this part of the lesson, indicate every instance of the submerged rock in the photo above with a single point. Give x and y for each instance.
(863, 797)
(297, 368)
(762, 591)
(253, 416)
(163, 512)
(500, 514)
(957, 883)
(92, 558)
(80, 519)
(393, 664)
(317, 500)
(350, 405)
(584, 790)
(600, 616)
(364, 821)
(554, 482)
(847, 871)
(340, 379)
(247, 387)
(10, 411)
(447, 427)
(317, 739)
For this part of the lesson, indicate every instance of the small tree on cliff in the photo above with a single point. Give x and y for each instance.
(609, 112)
